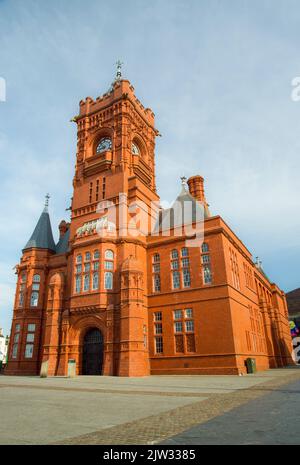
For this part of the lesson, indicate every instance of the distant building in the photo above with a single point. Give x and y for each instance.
(3, 346)
(293, 301)
(130, 305)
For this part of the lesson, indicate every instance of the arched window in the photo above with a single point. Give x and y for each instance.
(184, 252)
(96, 255)
(86, 282)
(104, 145)
(87, 257)
(36, 278)
(135, 149)
(95, 281)
(205, 247)
(108, 280)
(79, 258)
(34, 299)
(109, 255)
(174, 254)
(156, 258)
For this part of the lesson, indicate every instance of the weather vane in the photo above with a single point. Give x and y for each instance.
(119, 68)
(47, 197)
(183, 180)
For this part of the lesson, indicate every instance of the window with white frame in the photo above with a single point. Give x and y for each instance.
(79, 258)
(184, 331)
(77, 284)
(108, 280)
(207, 274)
(95, 281)
(174, 254)
(86, 282)
(186, 277)
(157, 316)
(14, 351)
(176, 279)
(156, 272)
(184, 252)
(159, 345)
(205, 247)
(34, 299)
(109, 255)
(29, 351)
(22, 288)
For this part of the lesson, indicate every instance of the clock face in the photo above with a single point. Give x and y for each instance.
(104, 145)
(134, 149)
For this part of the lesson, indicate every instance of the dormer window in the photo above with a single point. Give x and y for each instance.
(134, 149)
(104, 145)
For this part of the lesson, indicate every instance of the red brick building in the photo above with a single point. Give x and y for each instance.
(134, 305)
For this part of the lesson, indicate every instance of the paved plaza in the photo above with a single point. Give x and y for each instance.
(150, 410)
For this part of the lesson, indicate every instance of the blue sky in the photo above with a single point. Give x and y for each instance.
(217, 74)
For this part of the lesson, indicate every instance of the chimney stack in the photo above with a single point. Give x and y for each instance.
(196, 187)
(63, 228)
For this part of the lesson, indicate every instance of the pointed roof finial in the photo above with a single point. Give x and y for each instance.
(119, 68)
(183, 180)
(47, 197)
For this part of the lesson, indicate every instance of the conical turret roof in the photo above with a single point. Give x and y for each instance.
(42, 237)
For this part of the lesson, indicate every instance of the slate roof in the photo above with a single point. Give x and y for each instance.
(180, 211)
(42, 237)
(63, 244)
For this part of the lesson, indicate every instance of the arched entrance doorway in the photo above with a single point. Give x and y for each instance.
(92, 359)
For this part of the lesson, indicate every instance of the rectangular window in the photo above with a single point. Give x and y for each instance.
(86, 282)
(108, 265)
(14, 351)
(189, 325)
(186, 278)
(158, 328)
(30, 337)
(95, 281)
(156, 283)
(188, 313)
(156, 268)
(17, 327)
(158, 316)
(177, 314)
(78, 284)
(31, 327)
(178, 327)
(78, 268)
(16, 338)
(35, 287)
(205, 259)
(174, 265)
(108, 280)
(28, 350)
(185, 262)
(159, 345)
(96, 266)
(207, 274)
(34, 299)
(87, 267)
(176, 280)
